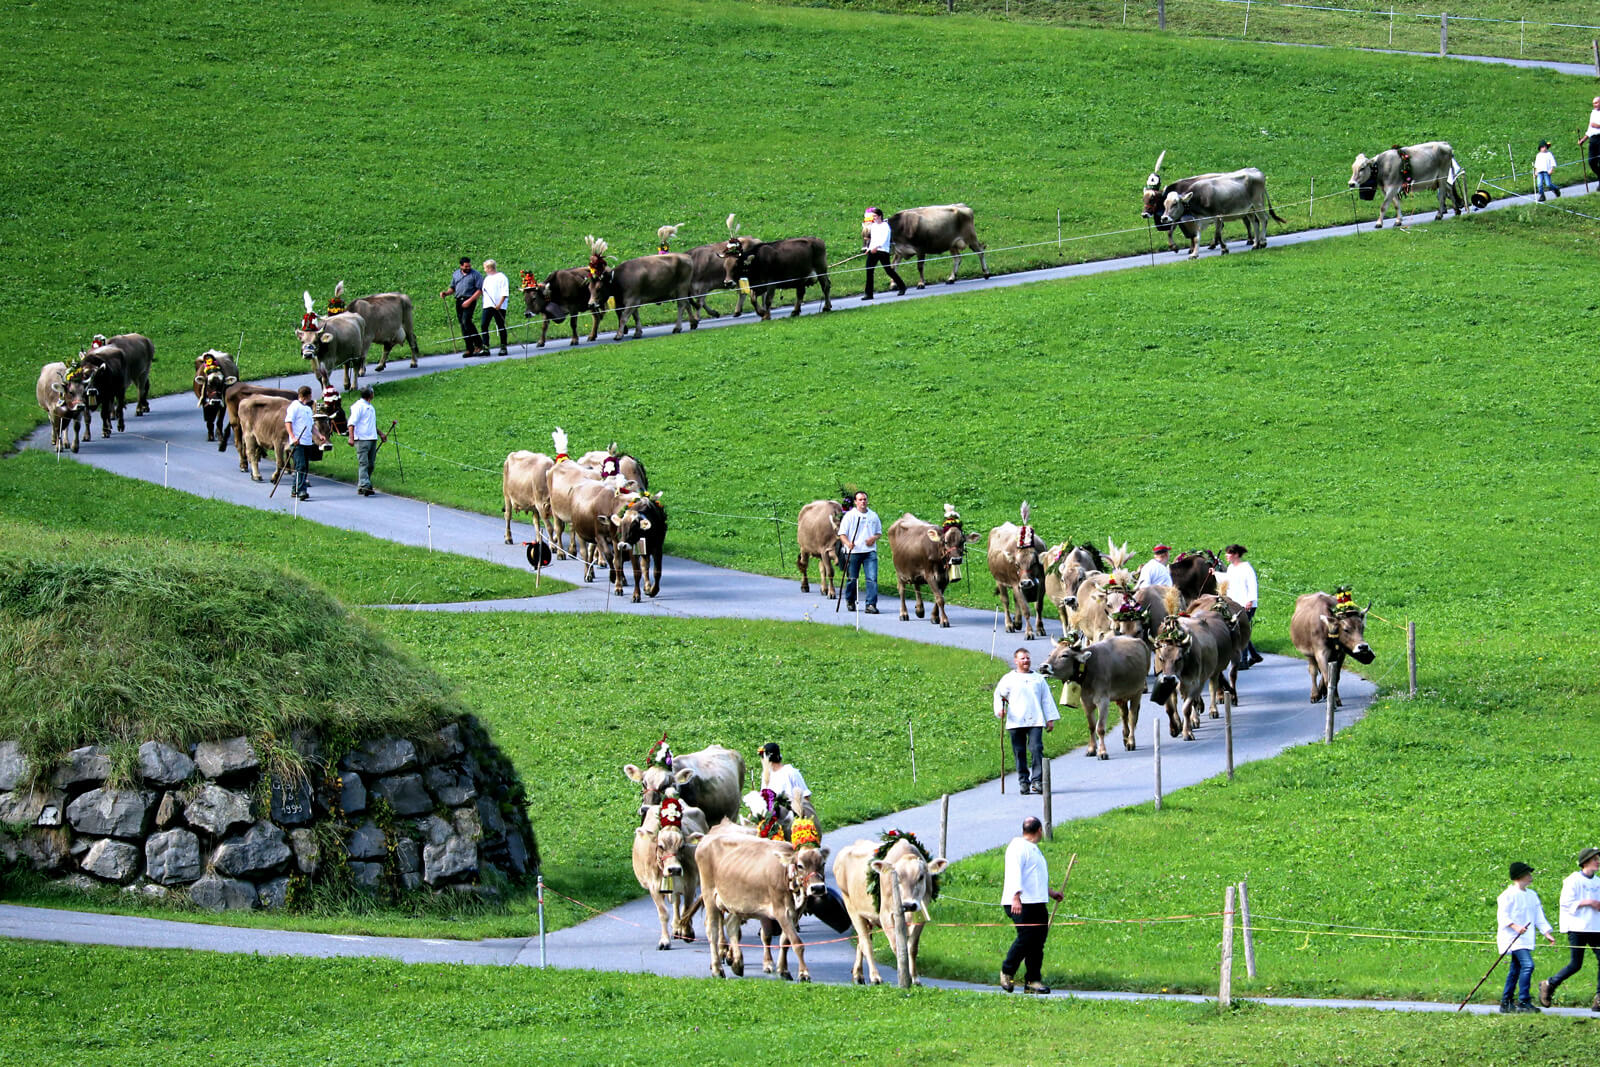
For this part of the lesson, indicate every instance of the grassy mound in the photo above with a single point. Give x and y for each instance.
(122, 646)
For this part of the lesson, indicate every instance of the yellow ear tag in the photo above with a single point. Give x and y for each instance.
(744, 286)
(611, 303)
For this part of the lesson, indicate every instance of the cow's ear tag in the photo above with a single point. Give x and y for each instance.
(326, 338)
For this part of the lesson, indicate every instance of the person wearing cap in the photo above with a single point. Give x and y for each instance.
(1519, 911)
(364, 438)
(1579, 919)
(466, 287)
(876, 244)
(1023, 895)
(1022, 699)
(1592, 136)
(1544, 165)
(496, 291)
(1155, 572)
(1243, 589)
(300, 421)
(783, 779)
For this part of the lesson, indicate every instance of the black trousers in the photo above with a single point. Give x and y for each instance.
(1028, 949)
(498, 315)
(471, 337)
(1594, 156)
(1579, 941)
(881, 259)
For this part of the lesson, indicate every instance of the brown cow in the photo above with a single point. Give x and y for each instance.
(772, 265)
(925, 231)
(1325, 629)
(664, 864)
(638, 535)
(566, 478)
(260, 419)
(61, 397)
(1109, 671)
(1015, 562)
(330, 343)
(1139, 614)
(231, 399)
(643, 280)
(708, 268)
(1239, 621)
(525, 486)
(214, 371)
(564, 294)
(923, 555)
(744, 877)
(1065, 569)
(710, 780)
(593, 504)
(1225, 636)
(1184, 661)
(1194, 574)
(917, 878)
(137, 354)
(386, 320)
(610, 462)
(818, 535)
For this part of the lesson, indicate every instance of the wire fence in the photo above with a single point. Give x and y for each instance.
(1504, 33)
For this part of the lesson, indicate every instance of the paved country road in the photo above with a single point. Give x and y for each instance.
(166, 447)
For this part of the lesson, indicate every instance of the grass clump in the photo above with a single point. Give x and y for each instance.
(123, 645)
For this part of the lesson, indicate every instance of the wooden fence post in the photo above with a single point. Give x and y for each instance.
(1161, 14)
(1225, 982)
(1411, 654)
(902, 947)
(1244, 925)
(944, 825)
(1327, 733)
(1227, 729)
(1155, 723)
(1595, 45)
(1049, 821)
(1444, 33)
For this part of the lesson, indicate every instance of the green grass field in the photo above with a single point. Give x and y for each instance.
(239, 157)
(147, 1008)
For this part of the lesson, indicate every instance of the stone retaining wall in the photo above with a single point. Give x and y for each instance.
(441, 813)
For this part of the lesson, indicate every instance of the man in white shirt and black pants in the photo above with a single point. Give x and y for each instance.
(301, 423)
(1243, 590)
(1026, 888)
(1023, 700)
(1580, 921)
(364, 438)
(878, 247)
(496, 291)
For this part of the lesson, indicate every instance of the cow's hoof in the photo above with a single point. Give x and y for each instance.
(920, 611)
(651, 593)
(805, 587)
(382, 365)
(413, 361)
(904, 617)
(255, 477)
(636, 598)
(766, 968)
(1091, 752)
(737, 969)
(1131, 746)
(588, 577)
(663, 946)
(805, 976)
(1315, 699)
(1103, 755)
(944, 624)
(74, 448)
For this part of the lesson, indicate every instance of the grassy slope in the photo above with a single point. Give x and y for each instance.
(85, 505)
(238, 157)
(101, 1006)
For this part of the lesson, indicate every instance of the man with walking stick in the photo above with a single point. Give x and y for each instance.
(365, 437)
(1027, 886)
(1022, 701)
(466, 289)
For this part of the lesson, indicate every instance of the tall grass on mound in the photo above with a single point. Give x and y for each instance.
(195, 195)
(120, 647)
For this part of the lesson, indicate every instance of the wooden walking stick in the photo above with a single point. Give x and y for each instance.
(1487, 973)
(1070, 862)
(1005, 706)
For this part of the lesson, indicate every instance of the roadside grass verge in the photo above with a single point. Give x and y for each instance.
(1414, 27)
(195, 195)
(76, 1004)
(54, 503)
(571, 698)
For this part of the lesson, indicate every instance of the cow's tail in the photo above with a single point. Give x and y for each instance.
(1271, 212)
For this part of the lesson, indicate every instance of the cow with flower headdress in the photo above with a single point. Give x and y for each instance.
(744, 876)
(709, 270)
(664, 863)
(1183, 660)
(214, 371)
(1325, 629)
(564, 294)
(928, 556)
(865, 872)
(1016, 561)
(612, 462)
(332, 342)
(709, 779)
(60, 394)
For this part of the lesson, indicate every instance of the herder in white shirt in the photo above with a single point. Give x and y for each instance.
(1592, 136)
(496, 291)
(1156, 571)
(1023, 700)
(1023, 895)
(1243, 590)
(783, 779)
(1580, 921)
(1518, 913)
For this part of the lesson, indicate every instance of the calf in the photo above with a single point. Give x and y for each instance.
(634, 283)
(231, 399)
(560, 296)
(1015, 561)
(639, 534)
(664, 863)
(818, 535)
(1110, 670)
(744, 877)
(61, 395)
(872, 907)
(1325, 630)
(214, 371)
(772, 265)
(710, 779)
(525, 486)
(924, 555)
(1184, 660)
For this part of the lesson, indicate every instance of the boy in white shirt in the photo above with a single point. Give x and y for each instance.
(1544, 165)
(1580, 921)
(1519, 911)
